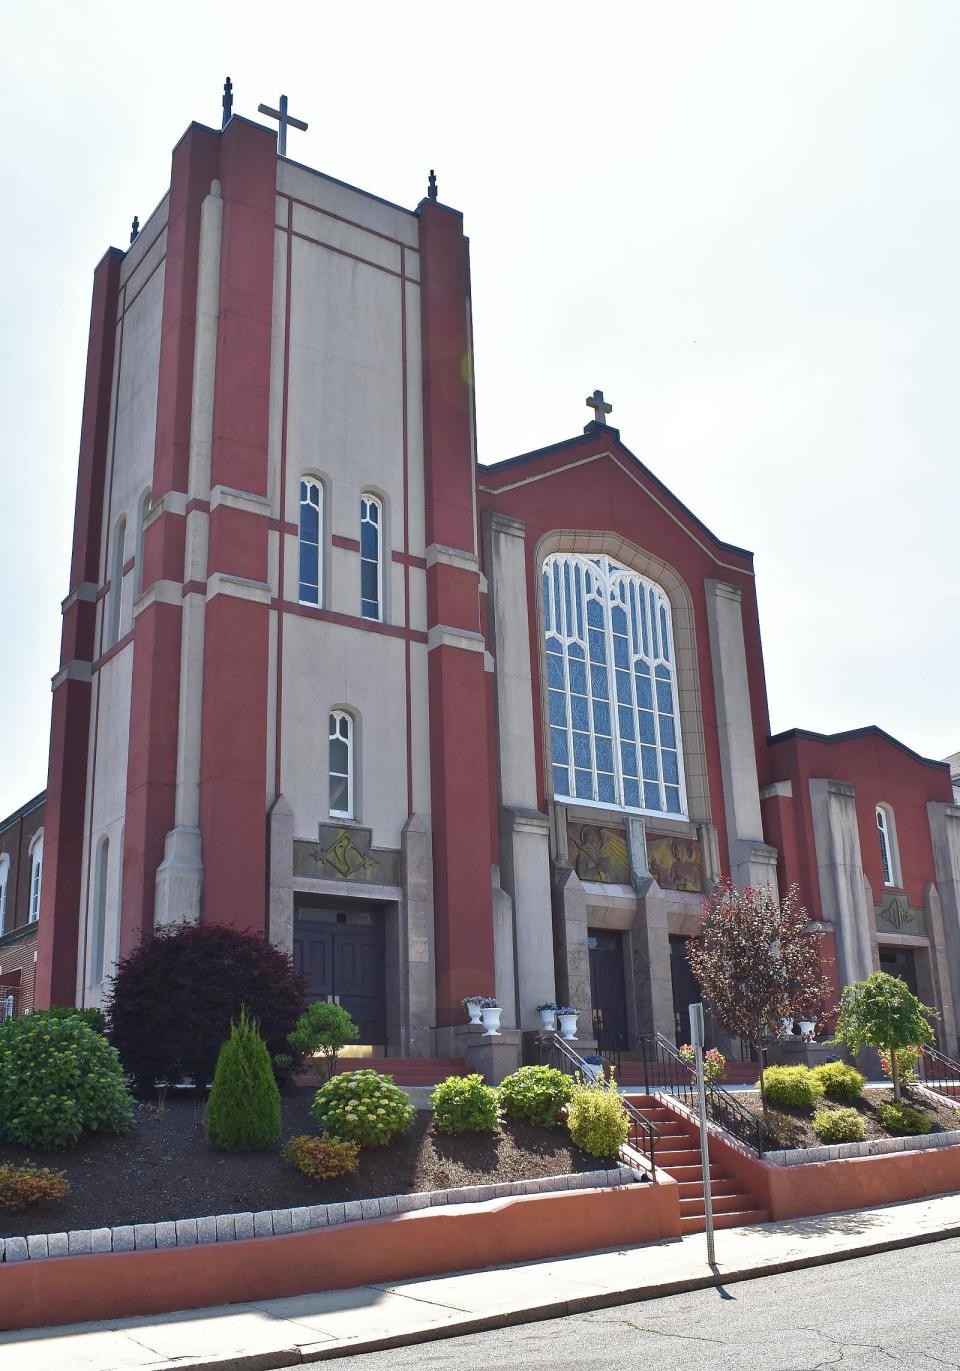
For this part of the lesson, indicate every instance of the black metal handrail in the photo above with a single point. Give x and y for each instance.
(665, 1069)
(643, 1132)
(937, 1070)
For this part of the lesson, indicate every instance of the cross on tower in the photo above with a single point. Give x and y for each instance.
(285, 120)
(600, 407)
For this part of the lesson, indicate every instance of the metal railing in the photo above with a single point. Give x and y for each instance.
(664, 1069)
(644, 1134)
(939, 1072)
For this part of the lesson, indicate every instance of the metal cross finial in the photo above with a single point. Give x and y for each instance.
(600, 407)
(134, 229)
(285, 121)
(227, 101)
(432, 185)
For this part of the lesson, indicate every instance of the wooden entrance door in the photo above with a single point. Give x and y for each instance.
(344, 961)
(607, 989)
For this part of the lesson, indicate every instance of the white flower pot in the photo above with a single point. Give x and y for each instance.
(806, 1025)
(475, 1012)
(491, 1022)
(787, 1027)
(568, 1027)
(592, 1071)
(548, 1020)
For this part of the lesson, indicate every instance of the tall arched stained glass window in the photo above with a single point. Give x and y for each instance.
(612, 692)
(371, 557)
(311, 528)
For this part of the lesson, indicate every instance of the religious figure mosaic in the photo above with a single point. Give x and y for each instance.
(599, 853)
(675, 863)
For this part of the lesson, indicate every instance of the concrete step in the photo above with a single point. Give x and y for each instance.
(692, 1171)
(737, 1219)
(694, 1189)
(722, 1204)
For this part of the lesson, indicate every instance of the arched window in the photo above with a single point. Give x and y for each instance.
(371, 557)
(99, 919)
(341, 765)
(889, 856)
(6, 1008)
(36, 875)
(4, 878)
(612, 693)
(143, 509)
(115, 602)
(311, 530)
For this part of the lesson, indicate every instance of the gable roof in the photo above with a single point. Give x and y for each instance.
(867, 731)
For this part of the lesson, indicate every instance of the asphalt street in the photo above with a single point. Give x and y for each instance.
(897, 1309)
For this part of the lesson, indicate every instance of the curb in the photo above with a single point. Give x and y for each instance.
(305, 1354)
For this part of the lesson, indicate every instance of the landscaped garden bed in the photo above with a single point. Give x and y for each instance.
(793, 1127)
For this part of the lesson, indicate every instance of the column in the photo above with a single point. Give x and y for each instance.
(845, 898)
(650, 940)
(944, 820)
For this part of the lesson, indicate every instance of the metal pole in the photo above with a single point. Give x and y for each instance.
(696, 1037)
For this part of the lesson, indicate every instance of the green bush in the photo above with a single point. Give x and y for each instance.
(840, 1081)
(59, 1079)
(362, 1107)
(465, 1104)
(324, 1028)
(838, 1125)
(597, 1120)
(322, 1159)
(538, 1094)
(93, 1018)
(792, 1087)
(904, 1120)
(243, 1111)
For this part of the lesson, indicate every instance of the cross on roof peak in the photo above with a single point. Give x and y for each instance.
(601, 407)
(286, 120)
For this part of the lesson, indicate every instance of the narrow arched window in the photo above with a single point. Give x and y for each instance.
(115, 602)
(4, 878)
(611, 686)
(371, 557)
(99, 919)
(6, 1008)
(341, 765)
(143, 509)
(889, 856)
(311, 531)
(36, 875)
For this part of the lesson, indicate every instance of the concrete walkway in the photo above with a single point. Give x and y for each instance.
(306, 1328)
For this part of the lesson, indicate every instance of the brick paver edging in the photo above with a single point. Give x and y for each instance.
(266, 1223)
(872, 1147)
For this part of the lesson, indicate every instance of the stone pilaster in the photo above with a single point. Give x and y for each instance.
(944, 822)
(280, 856)
(845, 896)
(525, 867)
(649, 942)
(418, 985)
(504, 953)
(570, 934)
(941, 968)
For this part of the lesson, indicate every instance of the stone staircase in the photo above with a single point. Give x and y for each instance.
(632, 1073)
(678, 1152)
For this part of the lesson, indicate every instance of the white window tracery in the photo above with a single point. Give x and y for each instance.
(311, 534)
(36, 876)
(341, 765)
(611, 687)
(371, 557)
(889, 856)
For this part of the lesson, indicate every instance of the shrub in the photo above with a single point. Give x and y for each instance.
(324, 1028)
(22, 1187)
(838, 1125)
(538, 1094)
(243, 1111)
(465, 1104)
(174, 998)
(362, 1107)
(322, 1159)
(597, 1120)
(58, 1079)
(840, 1081)
(792, 1087)
(93, 1018)
(904, 1119)
(908, 1060)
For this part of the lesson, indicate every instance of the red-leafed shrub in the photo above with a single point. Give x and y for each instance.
(173, 1000)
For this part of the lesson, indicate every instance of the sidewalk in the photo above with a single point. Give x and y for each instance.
(306, 1328)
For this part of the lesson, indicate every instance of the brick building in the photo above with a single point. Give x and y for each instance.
(21, 873)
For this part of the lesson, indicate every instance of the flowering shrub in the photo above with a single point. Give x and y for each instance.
(908, 1059)
(838, 1125)
(322, 1159)
(465, 1104)
(538, 1094)
(792, 1087)
(714, 1062)
(362, 1107)
(840, 1082)
(597, 1120)
(904, 1119)
(21, 1187)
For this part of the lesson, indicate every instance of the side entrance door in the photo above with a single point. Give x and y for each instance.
(342, 958)
(607, 989)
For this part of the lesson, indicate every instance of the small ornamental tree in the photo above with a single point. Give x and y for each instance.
(243, 1111)
(883, 1012)
(757, 962)
(324, 1028)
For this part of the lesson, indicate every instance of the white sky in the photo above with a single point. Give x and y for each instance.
(739, 219)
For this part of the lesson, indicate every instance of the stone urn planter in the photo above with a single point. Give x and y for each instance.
(593, 1069)
(490, 1013)
(806, 1027)
(787, 1028)
(548, 1017)
(568, 1023)
(474, 1007)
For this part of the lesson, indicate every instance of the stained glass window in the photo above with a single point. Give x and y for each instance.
(311, 526)
(341, 765)
(611, 687)
(371, 565)
(888, 851)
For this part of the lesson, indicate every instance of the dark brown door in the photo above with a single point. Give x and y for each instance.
(607, 989)
(901, 962)
(345, 962)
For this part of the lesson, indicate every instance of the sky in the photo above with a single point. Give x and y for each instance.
(738, 219)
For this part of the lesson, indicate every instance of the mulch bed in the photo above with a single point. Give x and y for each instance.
(794, 1127)
(165, 1169)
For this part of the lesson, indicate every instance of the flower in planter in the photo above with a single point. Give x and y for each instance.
(714, 1062)
(489, 1002)
(468, 1000)
(548, 1007)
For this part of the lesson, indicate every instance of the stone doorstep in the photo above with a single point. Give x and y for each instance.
(273, 1222)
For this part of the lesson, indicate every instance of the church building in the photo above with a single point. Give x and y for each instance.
(439, 728)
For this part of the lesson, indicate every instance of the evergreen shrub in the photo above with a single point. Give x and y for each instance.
(597, 1120)
(538, 1094)
(322, 1159)
(22, 1187)
(838, 1125)
(173, 1000)
(465, 1104)
(792, 1087)
(840, 1081)
(904, 1120)
(243, 1111)
(59, 1079)
(362, 1107)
